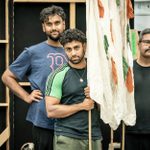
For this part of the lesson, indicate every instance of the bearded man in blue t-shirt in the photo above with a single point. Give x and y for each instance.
(36, 63)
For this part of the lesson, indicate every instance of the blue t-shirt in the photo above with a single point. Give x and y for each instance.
(36, 63)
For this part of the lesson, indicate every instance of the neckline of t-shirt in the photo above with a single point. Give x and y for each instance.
(146, 67)
(77, 68)
(53, 46)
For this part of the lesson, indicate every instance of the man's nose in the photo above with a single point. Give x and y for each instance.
(53, 27)
(73, 52)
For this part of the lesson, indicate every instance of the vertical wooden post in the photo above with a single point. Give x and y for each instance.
(111, 139)
(123, 136)
(90, 132)
(6, 65)
(72, 15)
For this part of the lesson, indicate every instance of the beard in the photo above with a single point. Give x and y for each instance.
(56, 39)
(76, 61)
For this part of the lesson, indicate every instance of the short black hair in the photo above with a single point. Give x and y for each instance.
(145, 31)
(72, 35)
(51, 11)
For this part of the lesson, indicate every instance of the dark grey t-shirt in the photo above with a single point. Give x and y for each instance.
(65, 85)
(142, 99)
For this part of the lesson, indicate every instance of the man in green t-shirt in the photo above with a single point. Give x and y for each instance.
(66, 100)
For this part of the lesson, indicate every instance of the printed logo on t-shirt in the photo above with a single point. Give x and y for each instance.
(56, 60)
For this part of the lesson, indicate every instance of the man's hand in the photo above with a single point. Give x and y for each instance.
(36, 95)
(87, 104)
(87, 92)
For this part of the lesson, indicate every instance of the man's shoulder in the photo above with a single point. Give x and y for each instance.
(38, 45)
(63, 68)
(59, 73)
(57, 76)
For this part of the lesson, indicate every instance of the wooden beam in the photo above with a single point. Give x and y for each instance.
(4, 104)
(6, 132)
(4, 41)
(50, 1)
(24, 83)
(4, 136)
(72, 15)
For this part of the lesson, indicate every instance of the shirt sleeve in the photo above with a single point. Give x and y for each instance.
(54, 86)
(21, 65)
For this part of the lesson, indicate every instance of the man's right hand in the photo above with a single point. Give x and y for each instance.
(87, 104)
(36, 95)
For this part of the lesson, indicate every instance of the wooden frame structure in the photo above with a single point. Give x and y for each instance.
(4, 135)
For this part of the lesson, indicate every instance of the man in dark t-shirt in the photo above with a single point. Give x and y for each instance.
(138, 136)
(66, 101)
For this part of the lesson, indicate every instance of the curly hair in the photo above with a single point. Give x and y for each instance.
(72, 35)
(145, 31)
(51, 11)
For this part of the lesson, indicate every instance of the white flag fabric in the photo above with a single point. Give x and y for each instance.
(104, 58)
(129, 116)
(98, 71)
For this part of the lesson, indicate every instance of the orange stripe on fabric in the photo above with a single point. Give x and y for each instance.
(130, 13)
(129, 81)
(114, 72)
(101, 9)
(111, 31)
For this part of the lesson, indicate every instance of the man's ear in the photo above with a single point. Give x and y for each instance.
(85, 51)
(64, 24)
(43, 27)
(138, 43)
(84, 46)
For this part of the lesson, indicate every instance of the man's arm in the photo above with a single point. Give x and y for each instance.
(56, 110)
(10, 80)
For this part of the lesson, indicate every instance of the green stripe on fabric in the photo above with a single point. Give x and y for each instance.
(128, 33)
(125, 68)
(118, 2)
(106, 44)
(54, 82)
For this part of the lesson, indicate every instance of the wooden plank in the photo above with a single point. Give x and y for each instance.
(7, 131)
(114, 146)
(4, 136)
(50, 1)
(4, 41)
(25, 83)
(72, 15)
(4, 104)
